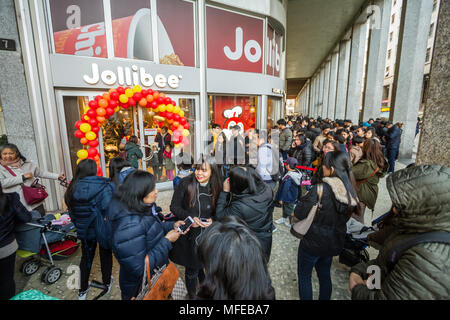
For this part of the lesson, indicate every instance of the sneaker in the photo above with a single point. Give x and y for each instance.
(274, 228)
(286, 223)
(280, 221)
(82, 295)
(109, 286)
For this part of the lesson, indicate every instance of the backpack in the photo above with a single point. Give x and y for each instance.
(278, 175)
(103, 228)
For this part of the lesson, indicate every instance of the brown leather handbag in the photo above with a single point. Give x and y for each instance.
(160, 286)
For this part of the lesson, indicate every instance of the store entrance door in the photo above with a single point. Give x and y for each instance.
(153, 144)
(71, 105)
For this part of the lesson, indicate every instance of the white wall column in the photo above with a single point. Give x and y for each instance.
(379, 34)
(342, 80)
(326, 88)
(333, 84)
(355, 80)
(411, 70)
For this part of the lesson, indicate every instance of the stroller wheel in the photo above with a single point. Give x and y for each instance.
(51, 275)
(30, 266)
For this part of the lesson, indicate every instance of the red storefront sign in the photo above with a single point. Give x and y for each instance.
(234, 41)
(273, 55)
(230, 111)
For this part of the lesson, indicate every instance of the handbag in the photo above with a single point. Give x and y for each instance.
(300, 228)
(160, 286)
(32, 194)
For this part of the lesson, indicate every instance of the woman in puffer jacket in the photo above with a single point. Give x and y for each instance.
(86, 195)
(421, 204)
(325, 238)
(138, 231)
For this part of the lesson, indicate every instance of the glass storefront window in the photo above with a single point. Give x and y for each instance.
(116, 133)
(176, 39)
(158, 163)
(132, 29)
(273, 111)
(78, 28)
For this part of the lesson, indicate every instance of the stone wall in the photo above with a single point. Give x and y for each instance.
(434, 146)
(13, 87)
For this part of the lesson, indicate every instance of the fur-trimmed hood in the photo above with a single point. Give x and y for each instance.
(339, 190)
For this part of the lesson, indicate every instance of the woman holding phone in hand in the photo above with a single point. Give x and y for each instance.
(195, 196)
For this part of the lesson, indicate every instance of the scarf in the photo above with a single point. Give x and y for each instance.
(17, 163)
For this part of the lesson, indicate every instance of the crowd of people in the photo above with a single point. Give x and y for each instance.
(231, 192)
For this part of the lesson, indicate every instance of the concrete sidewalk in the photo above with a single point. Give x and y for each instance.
(282, 266)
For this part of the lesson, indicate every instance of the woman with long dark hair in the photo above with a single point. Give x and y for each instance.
(368, 171)
(87, 195)
(11, 212)
(195, 196)
(247, 196)
(235, 266)
(119, 169)
(325, 238)
(138, 231)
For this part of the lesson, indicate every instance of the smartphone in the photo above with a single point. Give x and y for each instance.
(187, 223)
(204, 220)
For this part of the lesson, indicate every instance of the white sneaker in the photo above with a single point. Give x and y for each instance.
(286, 223)
(82, 295)
(109, 286)
(280, 221)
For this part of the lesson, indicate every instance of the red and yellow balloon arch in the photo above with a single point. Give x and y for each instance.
(164, 110)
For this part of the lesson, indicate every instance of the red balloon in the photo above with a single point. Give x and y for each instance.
(120, 90)
(93, 143)
(160, 100)
(176, 117)
(113, 104)
(109, 111)
(183, 121)
(92, 152)
(169, 115)
(173, 128)
(95, 129)
(167, 100)
(187, 125)
(154, 105)
(137, 96)
(150, 91)
(91, 113)
(98, 98)
(78, 124)
(93, 122)
(144, 93)
(114, 95)
(173, 103)
(79, 134)
(132, 102)
(125, 105)
(93, 104)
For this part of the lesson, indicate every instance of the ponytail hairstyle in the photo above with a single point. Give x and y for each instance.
(115, 166)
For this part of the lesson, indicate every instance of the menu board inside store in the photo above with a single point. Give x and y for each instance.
(234, 41)
(79, 29)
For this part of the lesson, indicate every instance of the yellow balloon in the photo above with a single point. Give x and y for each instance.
(185, 132)
(129, 93)
(177, 145)
(159, 118)
(123, 98)
(82, 154)
(170, 132)
(91, 135)
(169, 108)
(176, 109)
(137, 88)
(181, 113)
(162, 108)
(116, 109)
(78, 161)
(85, 127)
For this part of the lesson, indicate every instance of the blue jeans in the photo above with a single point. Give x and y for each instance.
(306, 263)
(392, 155)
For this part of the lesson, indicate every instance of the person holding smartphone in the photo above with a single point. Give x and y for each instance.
(195, 196)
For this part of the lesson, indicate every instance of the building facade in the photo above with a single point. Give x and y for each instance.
(220, 61)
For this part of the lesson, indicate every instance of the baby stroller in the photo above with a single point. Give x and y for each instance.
(45, 240)
(355, 245)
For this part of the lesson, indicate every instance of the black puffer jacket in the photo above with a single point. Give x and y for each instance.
(255, 209)
(325, 237)
(14, 213)
(304, 153)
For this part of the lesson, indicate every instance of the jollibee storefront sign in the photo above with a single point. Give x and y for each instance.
(234, 41)
(130, 77)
